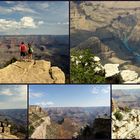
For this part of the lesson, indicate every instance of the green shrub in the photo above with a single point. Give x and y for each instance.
(118, 115)
(31, 130)
(127, 109)
(84, 68)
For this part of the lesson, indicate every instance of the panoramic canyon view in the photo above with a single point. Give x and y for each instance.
(57, 112)
(126, 112)
(13, 115)
(47, 33)
(112, 38)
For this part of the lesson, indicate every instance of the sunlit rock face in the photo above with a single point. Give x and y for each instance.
(39, 71)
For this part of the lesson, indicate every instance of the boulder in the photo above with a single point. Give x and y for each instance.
(133, 113)
(57, 75)
(39, 71)
(111, 70)
(75, 135)
(128, 75)
(120, 123)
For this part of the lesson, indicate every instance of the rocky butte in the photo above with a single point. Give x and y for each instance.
(38, 71)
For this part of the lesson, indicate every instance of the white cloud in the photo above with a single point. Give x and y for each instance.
(65, 23)
(62, 23)
(45, 104)
(43, 5)
(25, 22)
(35, 95)
(40, 22)
(13, 96)
(9, 2)
(4, 10)
(50, 103)
(101, 89)
(6, 92)
(22, 8)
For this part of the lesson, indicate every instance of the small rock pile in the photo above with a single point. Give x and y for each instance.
(128, 127)
(113, 73)
(125, 76)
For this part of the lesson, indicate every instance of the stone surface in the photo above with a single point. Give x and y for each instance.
(7, 136)
(128, 75)
(39, 71)
(111, 70)
(40, 131)
(128, 127)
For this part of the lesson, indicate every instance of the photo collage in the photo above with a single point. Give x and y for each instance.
(70, 70)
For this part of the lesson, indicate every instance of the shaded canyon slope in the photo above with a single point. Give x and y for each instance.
(114, 37)
(64, 122)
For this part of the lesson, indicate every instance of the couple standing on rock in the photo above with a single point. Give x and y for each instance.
(26, 53)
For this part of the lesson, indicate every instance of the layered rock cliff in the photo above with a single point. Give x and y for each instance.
(38, 121)
(39, 71)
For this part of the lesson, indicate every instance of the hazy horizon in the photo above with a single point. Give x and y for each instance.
(125, 87)
(71, 106)
(13, 108)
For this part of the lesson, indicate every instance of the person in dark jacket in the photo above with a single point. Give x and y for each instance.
(30, 52)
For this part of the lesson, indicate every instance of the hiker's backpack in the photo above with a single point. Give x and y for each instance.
(30, 50)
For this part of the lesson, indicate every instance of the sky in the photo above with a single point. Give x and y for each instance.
(13, 96)
(125, 87)
(69, 95)
(34, 17)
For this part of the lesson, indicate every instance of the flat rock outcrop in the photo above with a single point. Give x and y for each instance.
(8, 136)
(39, 71)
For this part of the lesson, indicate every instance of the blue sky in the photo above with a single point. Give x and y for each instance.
(34, 17)
(13, 96)
(69, 95)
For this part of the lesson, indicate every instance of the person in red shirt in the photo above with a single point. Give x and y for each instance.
(23, 51)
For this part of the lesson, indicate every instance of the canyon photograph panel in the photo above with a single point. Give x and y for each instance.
(45, 27)
(125, 112)
(105, 41)
(69, 112)
(13, 111)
